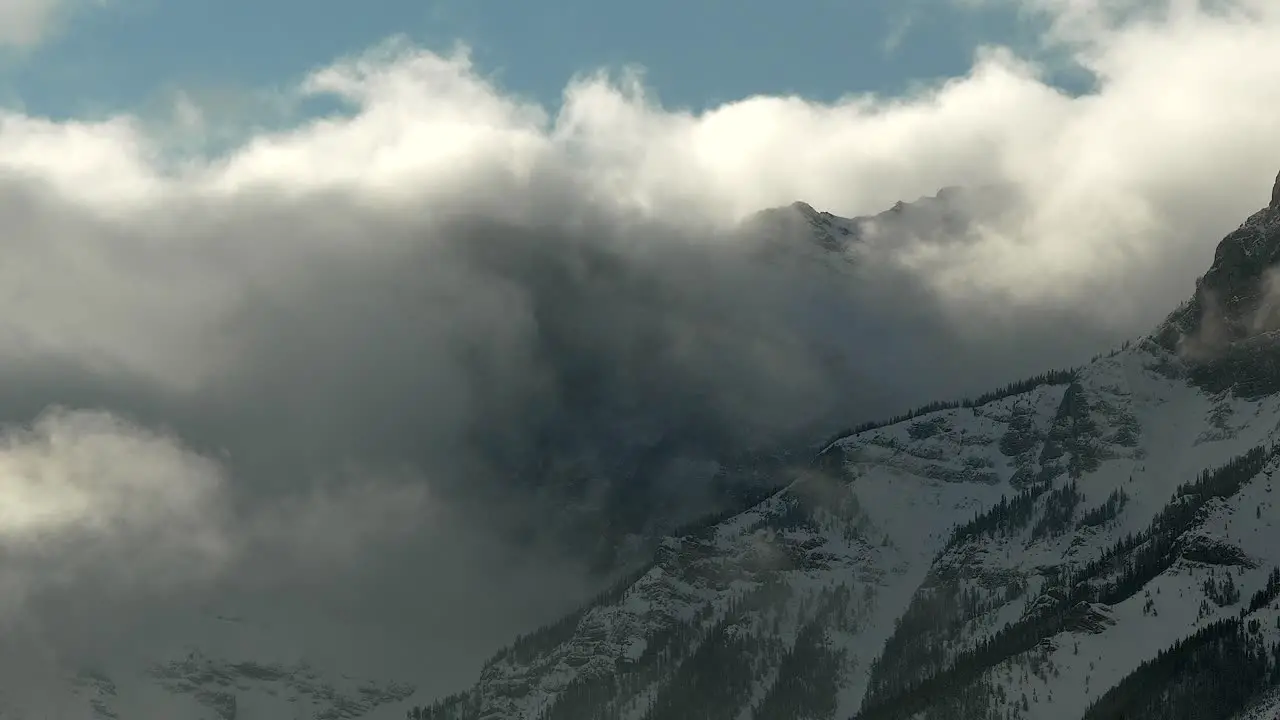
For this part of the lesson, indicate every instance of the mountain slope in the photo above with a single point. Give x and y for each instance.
(618, 473)
(611, 488)
(616, 476)
(1099, 543)
(193, 665)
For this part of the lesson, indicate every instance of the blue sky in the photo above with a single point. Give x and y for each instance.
(127, 54)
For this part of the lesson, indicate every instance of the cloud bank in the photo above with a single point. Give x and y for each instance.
(417, 315)
(91, 488)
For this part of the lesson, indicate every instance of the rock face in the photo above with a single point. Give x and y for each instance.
(1227, 332)
(609, 483)
(1235, 299)
(1098, 543)
(1048, 541)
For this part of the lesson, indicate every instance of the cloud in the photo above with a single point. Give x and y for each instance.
(25, 24)
(447, 317)
(115, 535)
(25, 21)
(84, 490)
(93, 498)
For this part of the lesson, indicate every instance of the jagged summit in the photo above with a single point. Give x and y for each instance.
(1089, 544)
(947, 194)
(1236, 298)
(1095, 543)
(800, 220)
(942, 217)
(807, 210)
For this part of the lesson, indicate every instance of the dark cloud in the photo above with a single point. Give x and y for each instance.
(529, 377)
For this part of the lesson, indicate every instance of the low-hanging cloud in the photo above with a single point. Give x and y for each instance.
(90, 488)
(448, 310)
(107, 526)
(91, 497)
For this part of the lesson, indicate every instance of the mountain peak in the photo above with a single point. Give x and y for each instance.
(805, 209)
(1087, 543)
(1235, 299)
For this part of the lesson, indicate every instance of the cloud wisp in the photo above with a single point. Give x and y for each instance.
(25, 24)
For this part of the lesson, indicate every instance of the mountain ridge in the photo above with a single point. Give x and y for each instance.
(1080, 544)
(1089, 544)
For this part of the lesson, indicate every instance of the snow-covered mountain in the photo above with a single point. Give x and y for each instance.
(192, 664)
(617, 478)
(1091, 542)
(615, 493)
(1096, 542)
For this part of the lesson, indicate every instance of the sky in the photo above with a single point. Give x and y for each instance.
(342, 315)
(90, 56)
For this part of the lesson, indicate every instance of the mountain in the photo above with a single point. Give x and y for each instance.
(612, 483)
(937, 565)
(617, 477)
(1098, 542)
(618, 464)
(189, 664)
(943, 218)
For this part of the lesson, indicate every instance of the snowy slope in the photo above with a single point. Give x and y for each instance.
(1097, 543)
(1094, 543)
(616, 474)
(212, 667)
(237, 662)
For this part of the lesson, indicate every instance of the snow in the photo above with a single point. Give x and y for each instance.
(914, 482)
(911, 484)
(881, 526)
(882, 530)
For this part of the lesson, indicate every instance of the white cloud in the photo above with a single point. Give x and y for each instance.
(24, 22)
(27, 23)
(125, 255)
(91, 473)
(108, 529)
(1167, 153)
(90, 496)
